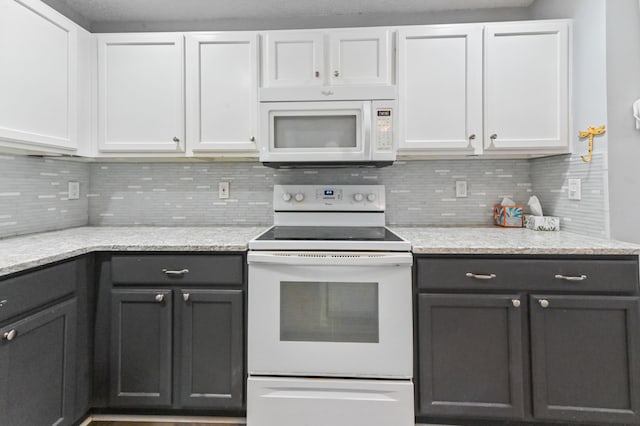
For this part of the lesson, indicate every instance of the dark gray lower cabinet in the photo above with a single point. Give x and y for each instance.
(585, 358)
(197, 333)
(141, 348)
(211, 361)
(37, 377)
(471, 355)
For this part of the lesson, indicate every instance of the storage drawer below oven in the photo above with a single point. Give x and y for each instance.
(322, 402)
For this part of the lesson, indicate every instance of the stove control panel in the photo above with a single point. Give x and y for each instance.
(321, 198)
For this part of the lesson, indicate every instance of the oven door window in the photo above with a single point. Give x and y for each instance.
(329, 312)
(316, 131)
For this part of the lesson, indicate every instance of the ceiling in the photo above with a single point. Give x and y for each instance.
(93, 11)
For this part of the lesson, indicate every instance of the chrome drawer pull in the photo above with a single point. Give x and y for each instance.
(566, 278)
(159, 298)
(9, 335)
(481, 276)
(185, 296)
(544, 303)
(2, 303)
(515, 303)
(175, 273)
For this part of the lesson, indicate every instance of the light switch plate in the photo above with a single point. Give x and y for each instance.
(575, 189)
(223, 190)
(74, 190)
(461, 188)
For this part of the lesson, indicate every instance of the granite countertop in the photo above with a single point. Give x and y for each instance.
(497, 240)
(24, 252)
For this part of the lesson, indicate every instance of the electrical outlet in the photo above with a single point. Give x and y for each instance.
(575, 189)
(461, 188)
(223, 190)
(74, 190)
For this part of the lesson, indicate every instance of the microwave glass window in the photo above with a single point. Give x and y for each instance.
(316, 131)
(329, 312)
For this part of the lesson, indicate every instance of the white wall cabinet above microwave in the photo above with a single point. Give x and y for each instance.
(222, 87)
(141, 93)
(327, 65)
(38, 78)
(522, 90)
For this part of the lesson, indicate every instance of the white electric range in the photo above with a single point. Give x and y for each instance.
(330, 312)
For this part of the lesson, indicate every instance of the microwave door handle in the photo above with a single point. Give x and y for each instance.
(366, 128)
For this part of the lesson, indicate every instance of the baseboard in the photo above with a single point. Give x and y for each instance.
(160, 419)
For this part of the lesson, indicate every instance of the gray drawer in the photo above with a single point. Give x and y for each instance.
(203, 269)
(601, 275)
(33, 289)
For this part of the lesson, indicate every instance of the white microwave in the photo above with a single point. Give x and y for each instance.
(328, 133)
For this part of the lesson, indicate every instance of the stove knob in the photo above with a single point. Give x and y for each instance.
(286, 196)
(358, 197)
(371, 197)
(299, 196)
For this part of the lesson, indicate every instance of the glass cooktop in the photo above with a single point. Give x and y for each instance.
(329, 233)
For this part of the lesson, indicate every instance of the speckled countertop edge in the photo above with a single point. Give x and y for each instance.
(508, 241)
(24, 252)
(30, 251)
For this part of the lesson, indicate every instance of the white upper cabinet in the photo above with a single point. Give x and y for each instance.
(38, 77)
(341, 64)
(359, 57)
(222, 85)
(292, 59)
(141, 93)
(527, 86)
(440, 89)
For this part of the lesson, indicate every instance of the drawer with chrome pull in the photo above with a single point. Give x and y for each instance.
(177, 269)
(33, 289)
(574, 274)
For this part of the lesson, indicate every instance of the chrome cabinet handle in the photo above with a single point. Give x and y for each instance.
(2, 303)
(569, 278)
(472, 136)
(480, 276)
(515, 303)
(317, 73)
(185, 296)
(175, 273)
(159, 298)
(493, 137)
(336, 73)
(544, 303)
(252, 138)
(10, 335)
(176, 139)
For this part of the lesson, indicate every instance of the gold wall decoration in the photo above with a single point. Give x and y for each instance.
(590, 133)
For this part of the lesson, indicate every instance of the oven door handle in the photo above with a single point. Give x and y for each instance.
(327, 258)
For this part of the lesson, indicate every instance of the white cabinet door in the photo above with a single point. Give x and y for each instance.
(440, 89)
(222, 84)
(140, 93)
(293, 58)
(38, 76)
(360, 57)
(527, 87)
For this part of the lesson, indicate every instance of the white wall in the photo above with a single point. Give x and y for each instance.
(589, 104)
(623, 79)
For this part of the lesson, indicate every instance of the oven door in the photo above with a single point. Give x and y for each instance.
(330, 314)
(315, 131)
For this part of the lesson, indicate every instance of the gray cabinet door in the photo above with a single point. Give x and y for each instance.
(141, 346)
(470, 355)
(211, 348)
(585, 358)
(37, 368)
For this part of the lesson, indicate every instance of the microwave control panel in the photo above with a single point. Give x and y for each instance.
(384, 129)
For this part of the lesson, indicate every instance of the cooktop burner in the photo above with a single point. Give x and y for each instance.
(329, 233)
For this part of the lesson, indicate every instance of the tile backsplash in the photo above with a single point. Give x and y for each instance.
(33, 192)
(418, 192)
